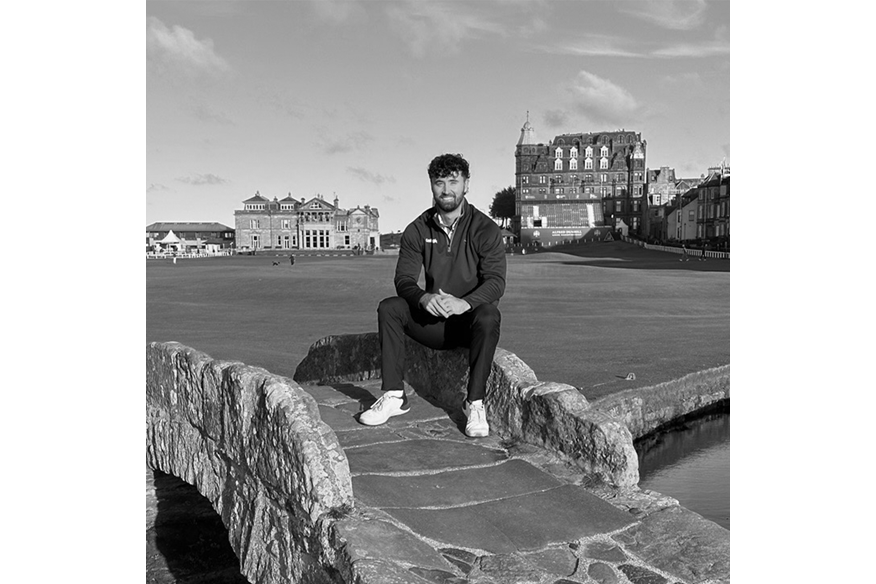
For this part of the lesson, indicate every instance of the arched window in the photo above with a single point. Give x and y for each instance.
(558, 164)
(559, 153)
(573, 164)
(603, 162)
(603, 151)
(588, 164)
(574, 152)
(588, 152)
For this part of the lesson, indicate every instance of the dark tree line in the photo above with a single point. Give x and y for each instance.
(503, 206)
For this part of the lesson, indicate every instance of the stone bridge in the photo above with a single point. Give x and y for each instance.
(274, 456)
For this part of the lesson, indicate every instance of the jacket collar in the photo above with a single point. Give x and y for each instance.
(466, 211)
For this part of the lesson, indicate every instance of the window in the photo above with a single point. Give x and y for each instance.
(588, 164)
(588, 152)
(558, 164)
(559, 153)
(690, 215)
(542, 180)
(573, 164)
(574, 152)
(526, 180)
(603, 151)
(347, 240)
(253, 223)
(279, 241)
(287, 224)
(603, 178)
(618, 206)
(536, 222)
(603, 163)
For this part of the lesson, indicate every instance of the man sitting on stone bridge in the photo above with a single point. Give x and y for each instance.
(462, 253)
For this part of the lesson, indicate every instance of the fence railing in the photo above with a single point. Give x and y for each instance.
(695, 252)
(151, 255)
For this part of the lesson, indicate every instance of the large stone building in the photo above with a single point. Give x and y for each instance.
(298, 224)
(579, 184)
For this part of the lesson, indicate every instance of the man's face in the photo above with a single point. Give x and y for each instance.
(449, 191)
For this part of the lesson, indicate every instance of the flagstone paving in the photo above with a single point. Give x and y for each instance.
(445, 508)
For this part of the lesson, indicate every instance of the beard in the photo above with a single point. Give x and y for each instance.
(449, 204)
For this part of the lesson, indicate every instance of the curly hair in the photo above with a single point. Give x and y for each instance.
(447, 164)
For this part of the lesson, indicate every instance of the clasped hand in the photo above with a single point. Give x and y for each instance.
(444, 304)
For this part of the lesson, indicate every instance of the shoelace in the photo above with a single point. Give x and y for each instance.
(383, 402)
(477, 414)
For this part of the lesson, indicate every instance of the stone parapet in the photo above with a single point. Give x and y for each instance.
(646, 409)
(254, 445)
(551, 415)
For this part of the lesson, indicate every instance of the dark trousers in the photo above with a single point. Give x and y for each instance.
(476, 329)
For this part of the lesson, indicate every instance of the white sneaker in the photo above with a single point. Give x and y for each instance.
(389, 405)
(476, 426)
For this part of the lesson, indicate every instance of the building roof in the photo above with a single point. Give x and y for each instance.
(183, 226)
(256, 198)
(527, 133)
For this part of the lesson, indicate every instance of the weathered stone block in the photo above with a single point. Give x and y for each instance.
(254, 445)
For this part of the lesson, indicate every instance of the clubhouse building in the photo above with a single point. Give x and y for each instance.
(289, 223)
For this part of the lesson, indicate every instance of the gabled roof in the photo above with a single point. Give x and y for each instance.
(323, 204)
(369, 211)
(257, 198)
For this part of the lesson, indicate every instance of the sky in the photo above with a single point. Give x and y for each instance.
(353, 98)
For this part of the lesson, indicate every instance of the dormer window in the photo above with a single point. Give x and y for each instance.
(588, 164)
(559, 153)
(603, 151)
(603, 162)
(588, 152)
(558, 164)
(573, 164)
(574, 152)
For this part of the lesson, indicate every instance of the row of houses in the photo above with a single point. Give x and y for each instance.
(700, 213)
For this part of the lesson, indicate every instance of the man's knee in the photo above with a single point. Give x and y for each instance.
(394, 306)
(486, 317)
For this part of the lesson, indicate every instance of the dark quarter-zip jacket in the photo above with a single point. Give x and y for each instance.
(470, 266)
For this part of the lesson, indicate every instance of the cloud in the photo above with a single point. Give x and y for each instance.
(595, 45)
(153, 187)
(348, 143)
(337, 11)
(368, 176)
(555, 118)
(202, 179)
(177, 48)
(601, 100)
(439, 26)
(207, 113)
(671, 14)
(710, 49)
